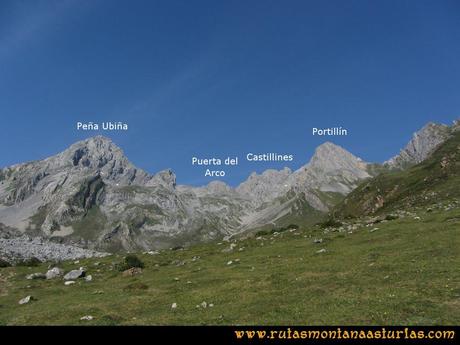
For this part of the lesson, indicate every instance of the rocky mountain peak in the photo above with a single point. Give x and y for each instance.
(329, 157)
(94, 152)
(98, 155)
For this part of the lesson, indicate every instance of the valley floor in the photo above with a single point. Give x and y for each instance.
(402, 271)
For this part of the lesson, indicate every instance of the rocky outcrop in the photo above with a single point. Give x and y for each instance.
(422, 144)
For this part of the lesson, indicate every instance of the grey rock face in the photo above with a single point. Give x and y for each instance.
(266, 186)
(422, 144)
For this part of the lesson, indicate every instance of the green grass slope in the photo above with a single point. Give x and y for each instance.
(402, 271)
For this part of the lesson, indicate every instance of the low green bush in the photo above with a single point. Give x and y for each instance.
(330, 223)
(131, 261)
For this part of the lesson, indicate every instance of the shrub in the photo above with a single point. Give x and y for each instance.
(330, 223)
(133, 261)
(130, 261)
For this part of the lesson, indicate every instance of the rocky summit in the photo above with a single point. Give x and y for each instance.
(92, 196)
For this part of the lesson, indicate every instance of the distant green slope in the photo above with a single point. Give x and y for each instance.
(436, 179)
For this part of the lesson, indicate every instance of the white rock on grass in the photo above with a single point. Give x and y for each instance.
(321, 251)
(69, 282)
(87, 318)
(25, 300)
(174, 305)
(89, 278)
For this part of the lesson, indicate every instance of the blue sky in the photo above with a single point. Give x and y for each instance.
(219, 78)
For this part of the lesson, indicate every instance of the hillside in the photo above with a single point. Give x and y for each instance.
(437, 179)
(402, 272)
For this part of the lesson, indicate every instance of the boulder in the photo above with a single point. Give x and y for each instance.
(74, 274)
(54, 273)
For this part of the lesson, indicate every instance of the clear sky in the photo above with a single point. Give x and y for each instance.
(219, 78)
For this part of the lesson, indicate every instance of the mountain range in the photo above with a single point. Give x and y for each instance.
(92, 196)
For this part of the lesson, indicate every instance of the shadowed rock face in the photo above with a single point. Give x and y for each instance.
(93, 196)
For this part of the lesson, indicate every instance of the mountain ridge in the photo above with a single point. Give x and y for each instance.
(92, 195)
